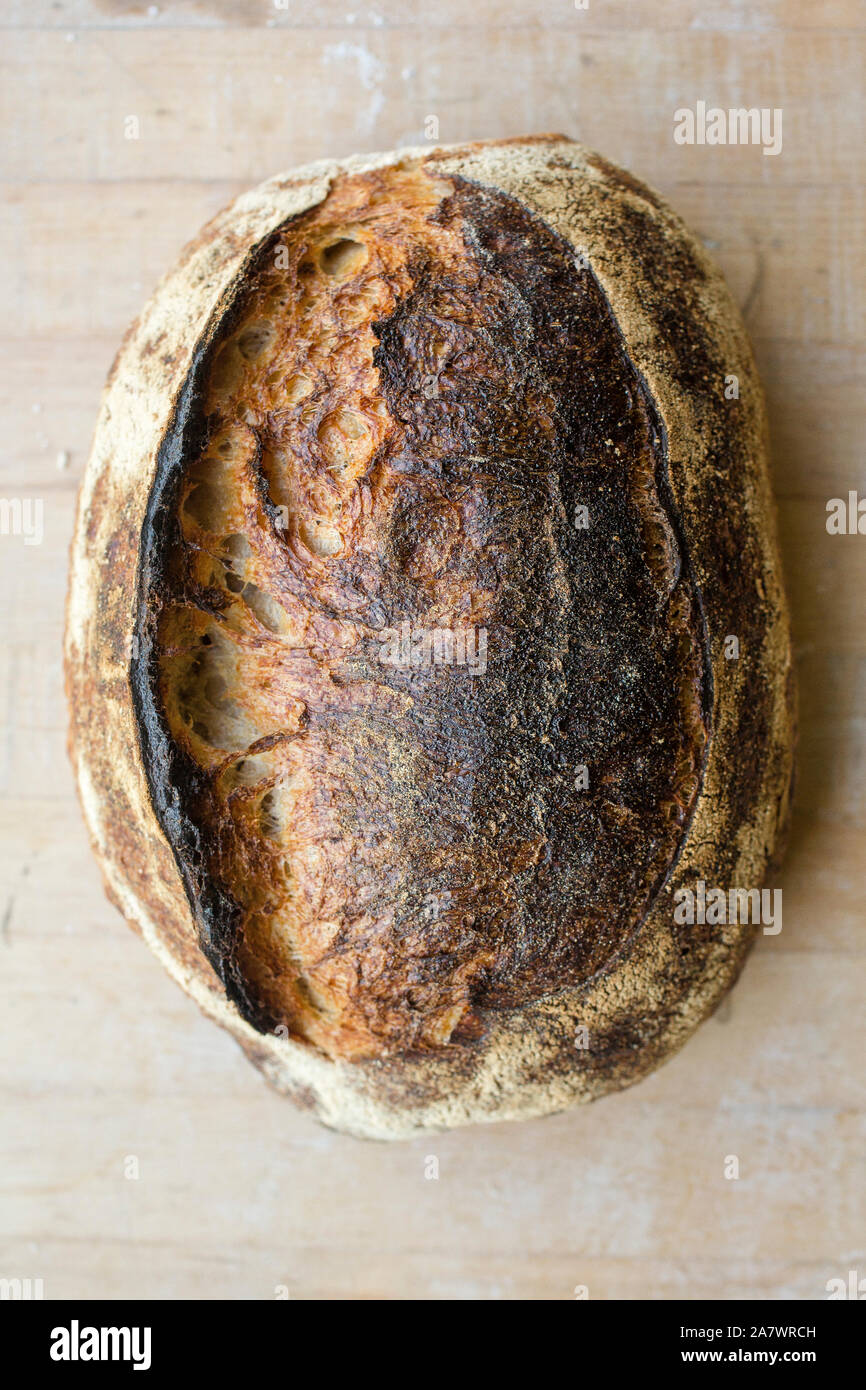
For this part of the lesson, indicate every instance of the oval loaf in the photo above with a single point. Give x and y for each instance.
(426, 640)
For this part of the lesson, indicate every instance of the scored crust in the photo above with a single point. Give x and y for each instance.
(374, 397)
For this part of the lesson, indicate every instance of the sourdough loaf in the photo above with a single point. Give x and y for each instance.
(426, 497)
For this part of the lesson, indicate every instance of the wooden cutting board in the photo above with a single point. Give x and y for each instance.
(126, 127)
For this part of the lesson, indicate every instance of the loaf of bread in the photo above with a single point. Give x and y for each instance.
(426, 638)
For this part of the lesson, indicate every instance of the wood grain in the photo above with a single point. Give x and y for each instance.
(105, 1059)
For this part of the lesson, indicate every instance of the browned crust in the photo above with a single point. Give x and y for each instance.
(684, 337)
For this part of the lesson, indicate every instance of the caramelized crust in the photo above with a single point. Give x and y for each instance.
(420, 418)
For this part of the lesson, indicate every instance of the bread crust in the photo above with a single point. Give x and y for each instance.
(684, 337)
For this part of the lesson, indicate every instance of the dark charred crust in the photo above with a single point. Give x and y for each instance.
(571, 919)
